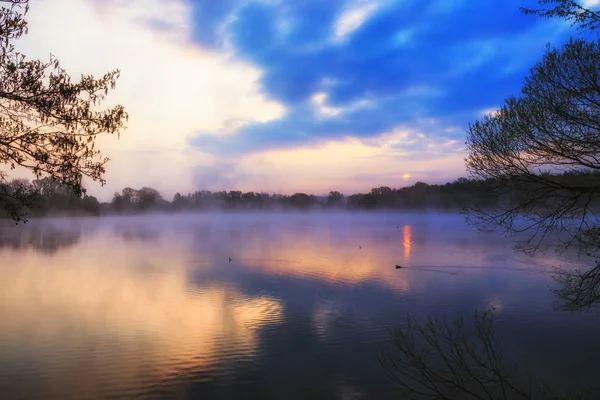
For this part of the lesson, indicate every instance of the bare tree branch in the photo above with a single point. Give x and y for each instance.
(540, 157)
(583, 18)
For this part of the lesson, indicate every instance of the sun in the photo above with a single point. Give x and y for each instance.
(406, 176)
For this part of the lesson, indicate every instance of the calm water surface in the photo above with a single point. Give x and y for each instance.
(152, 308)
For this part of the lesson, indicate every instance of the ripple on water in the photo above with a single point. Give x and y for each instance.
(300, 309)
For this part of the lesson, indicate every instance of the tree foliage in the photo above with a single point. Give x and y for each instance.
(44, 197)
(48, 121)
(570, 10)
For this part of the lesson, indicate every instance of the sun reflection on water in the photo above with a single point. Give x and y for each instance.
(139, 304)
(326, 259)
(406, 242)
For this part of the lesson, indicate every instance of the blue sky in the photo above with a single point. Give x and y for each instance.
(395, 63)
(295, 95)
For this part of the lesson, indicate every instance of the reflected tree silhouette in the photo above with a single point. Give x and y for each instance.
(136, 233)
(43, 238)
(578, 289)
(438, 359)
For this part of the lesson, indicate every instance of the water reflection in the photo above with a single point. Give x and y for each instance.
(406, 242)
(136, 232)
(100, 304)
(324, 258)
(152, 307)
(37, 236)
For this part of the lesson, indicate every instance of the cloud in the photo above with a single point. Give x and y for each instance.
(289, 95)
(591, 3)
(314, 123)
(351, 165)
(171, 18)
(392, 64)
(320, 101)
(352, 18)
(170, 86)
(219, 175)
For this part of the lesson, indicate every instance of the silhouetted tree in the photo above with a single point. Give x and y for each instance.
(90, 205)
(17, 198)
(46, 196)
(179, 202)
(418, 194)
(53, 195)
(117, 203)
(570, 10)
(253, 200)
(48, 124)
(301, 201)
(234, 199)
(335, 199)
(219, 199)
(147, 198)
(539, 151)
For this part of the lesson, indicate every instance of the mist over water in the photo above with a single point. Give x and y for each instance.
(151, 306)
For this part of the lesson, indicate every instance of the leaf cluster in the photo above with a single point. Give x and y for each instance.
(48, 121)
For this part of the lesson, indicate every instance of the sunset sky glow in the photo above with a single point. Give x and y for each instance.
(292, 96)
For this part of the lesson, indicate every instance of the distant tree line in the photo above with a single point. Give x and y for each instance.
(50, 197)
(45, 196)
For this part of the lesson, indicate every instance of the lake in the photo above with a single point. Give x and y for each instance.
(151, 307)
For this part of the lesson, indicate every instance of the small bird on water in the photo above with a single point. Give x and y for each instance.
(399, 266)
(359, 247)
(230, 259)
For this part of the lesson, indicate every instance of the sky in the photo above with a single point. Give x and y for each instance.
(292, 95)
